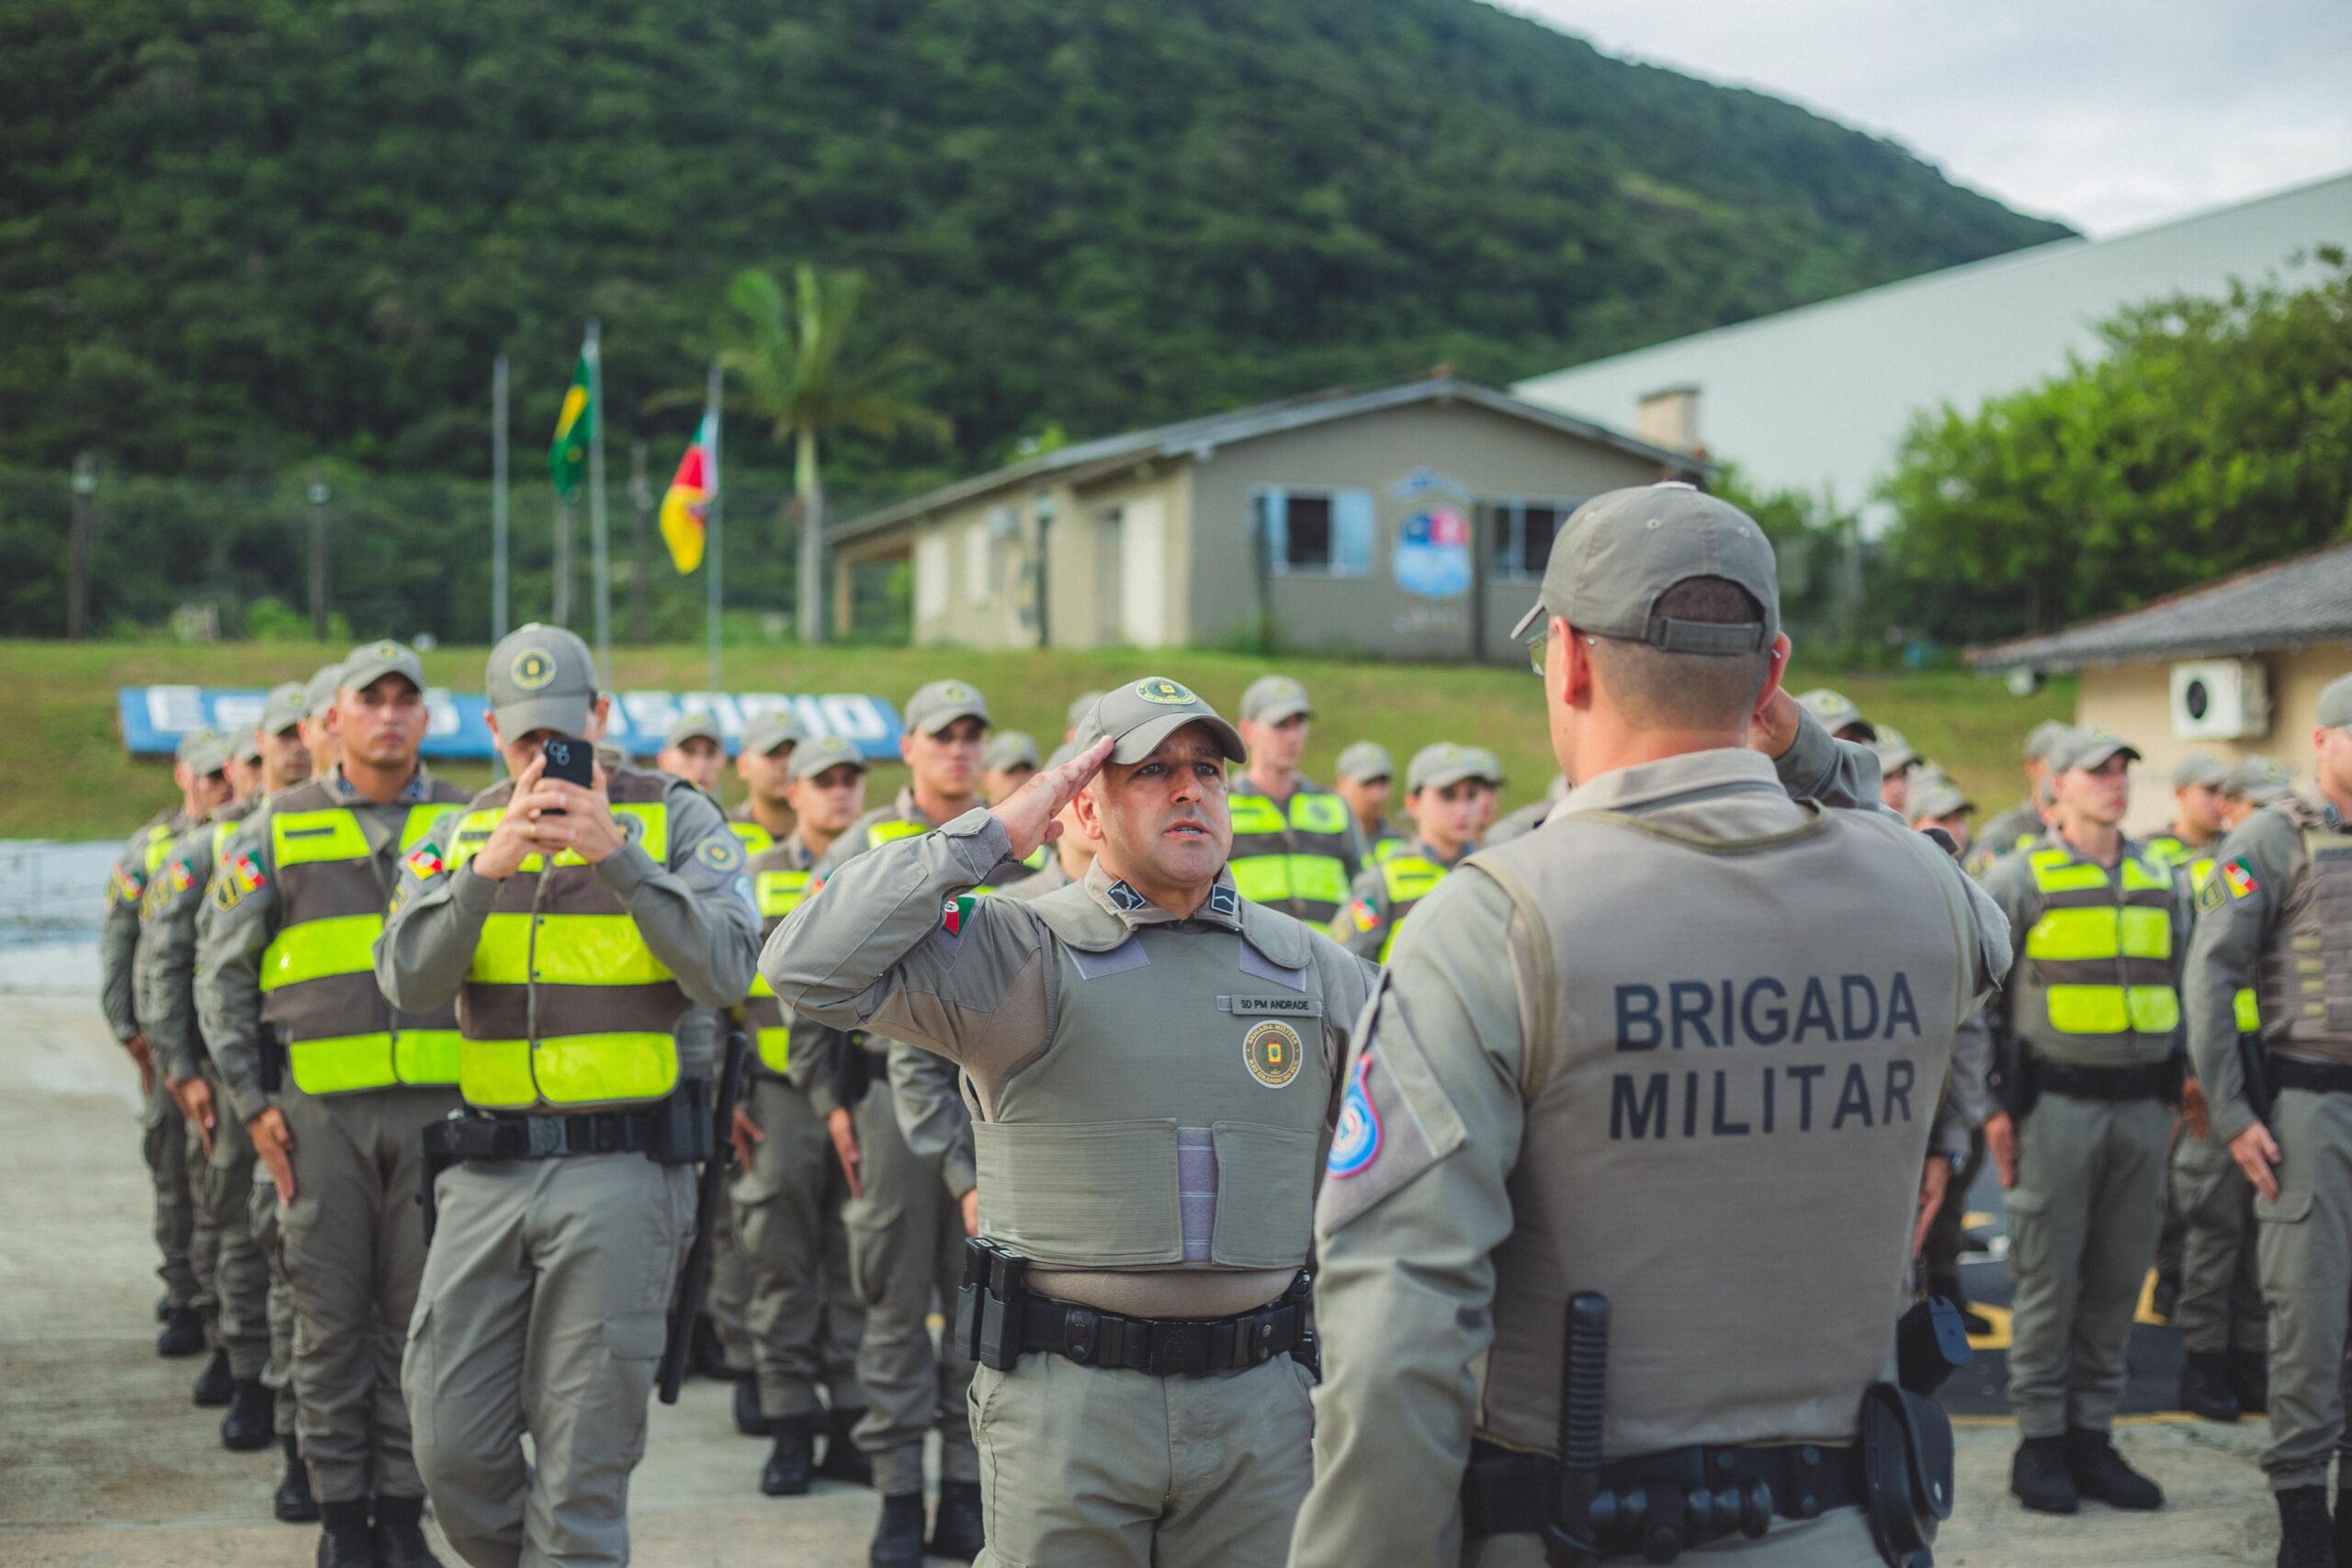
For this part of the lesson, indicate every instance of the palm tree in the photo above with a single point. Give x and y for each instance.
(792, 361)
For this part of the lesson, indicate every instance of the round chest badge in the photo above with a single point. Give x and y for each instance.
(532, 669)
(1273, 1053)
(1160, 689)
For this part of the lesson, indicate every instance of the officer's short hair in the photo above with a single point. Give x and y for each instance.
(1693, 691)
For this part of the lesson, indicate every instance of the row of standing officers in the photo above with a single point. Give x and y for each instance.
(1096, 1114)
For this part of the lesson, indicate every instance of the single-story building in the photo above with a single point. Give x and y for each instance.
(1410, 521)
(2233, 668)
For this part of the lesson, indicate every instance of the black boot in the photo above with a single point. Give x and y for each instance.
(349, 1541)
(2250, 1377)
(2205, 1385)
(399, 1534)
(791, 1459)
(2304, 1533)
(958, 1531)
(213, 1384)
(162, 1308)
(183, 1334)
(2101, 1473)
(2166, 1296)
(844, 1460)
(898, 1534)
(748, 1418)
(293, 1504)
(251, 1424)
(2039, 1477)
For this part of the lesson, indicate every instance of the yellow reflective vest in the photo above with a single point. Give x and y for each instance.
(318, 974)
(2096, 974)
(1297, 856)
(780, 890)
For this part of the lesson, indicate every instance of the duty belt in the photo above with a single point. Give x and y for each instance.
(2312, 1078)
(665, 1132)
(2147, 1080)
(998, 1321)
(1670, 1498)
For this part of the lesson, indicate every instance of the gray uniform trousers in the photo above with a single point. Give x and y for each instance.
(278, 1372)
(203, 1229)
(163, 1144)
(906, 1262)
(805, 1320)
(1088, 1467)
(543, 1311)
(2305, 1247)
(240, 1275)
(2083, 1221)
(2219, 1304)
(354, 1243)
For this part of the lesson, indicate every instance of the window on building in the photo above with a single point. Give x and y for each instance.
(1521, 536)
(1315, 532)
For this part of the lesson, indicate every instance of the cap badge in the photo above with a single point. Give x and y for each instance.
(532, 669)
(955, 692)
(387, 650)
(1160, 689)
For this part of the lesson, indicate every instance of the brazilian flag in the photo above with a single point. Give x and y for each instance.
(568, 454)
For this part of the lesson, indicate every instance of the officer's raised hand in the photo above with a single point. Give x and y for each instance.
(1028, 812)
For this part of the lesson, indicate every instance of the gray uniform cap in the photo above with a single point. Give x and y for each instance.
(2258, 779)
(2199, 767)
(935, 708)
(318, 695)
(2048, 741)
(541, 678)
(692, 726)
(810, 757)
(1835, 711)
(1895, 753)
(2091, 749)
(1142, 714)
(371, 662)
(1274, 698)
(1009, 749)
(203, 752)
(777, 726)
(1364, 761)
(1435, 767)
(1934, 796)
(2336, 703)
(1619, 552)
(283, 708)
(248, 747)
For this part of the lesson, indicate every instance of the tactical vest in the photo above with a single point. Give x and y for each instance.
(779, 892)
(2179, 853)
(2304, 976)
(2245, 1007)
(757, 841)
(1782, 1029)
(1294, 857)
(1404, 881)
(2093, 985)
(1175, 1116)
(1385, 844)
(318, 974)
(564, 1004)
(154, 843)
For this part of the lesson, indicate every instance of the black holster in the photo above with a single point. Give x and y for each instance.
(2261, 1083)
(273, 1060)
(2015, 1084)
(1907, 1472)
(987, 1309)
(1930, 1344)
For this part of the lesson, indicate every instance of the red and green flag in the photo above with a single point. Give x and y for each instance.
(568, 454)
(685, 508)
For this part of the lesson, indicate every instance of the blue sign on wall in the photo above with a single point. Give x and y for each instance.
(1433, 557)
(154, 717)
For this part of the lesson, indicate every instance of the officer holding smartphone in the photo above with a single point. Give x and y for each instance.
(588, 927)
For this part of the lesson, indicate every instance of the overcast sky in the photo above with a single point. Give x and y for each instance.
(2106, 114)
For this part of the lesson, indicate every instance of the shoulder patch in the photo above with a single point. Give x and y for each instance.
(1363, 915)
(1395, 1123)
(720, 851)
(2237, 876)
(238, 876)
(956, 911)
(425, 861)
(1223, 900)
(1355, 1142)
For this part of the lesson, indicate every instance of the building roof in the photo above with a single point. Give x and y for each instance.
(1198, 437)
(2295, 602)
(1818, 397)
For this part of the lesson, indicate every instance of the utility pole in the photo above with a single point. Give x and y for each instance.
(319, 495)
(641, 501)
(599, 558)
(77, 570)
(713, 487)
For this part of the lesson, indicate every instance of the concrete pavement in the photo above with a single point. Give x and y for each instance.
(104, 1460)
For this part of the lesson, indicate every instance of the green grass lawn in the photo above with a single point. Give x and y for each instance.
(63, 773)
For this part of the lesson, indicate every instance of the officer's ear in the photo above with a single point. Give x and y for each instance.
(599, 713)
(1083, 807)
(1779, 668)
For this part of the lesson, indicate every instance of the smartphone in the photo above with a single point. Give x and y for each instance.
(571, 760)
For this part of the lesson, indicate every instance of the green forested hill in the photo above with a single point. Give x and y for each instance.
(237, 235)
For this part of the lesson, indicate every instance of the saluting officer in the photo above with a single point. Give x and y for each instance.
(198, 768)
(1448, 789)
(1587, 1055)
(297, 894)
(2090, 1032)
(1295, 844)
(2277, 916)
(1149, 1058)
(805, 1319)
(220, 1155)
(587, 936)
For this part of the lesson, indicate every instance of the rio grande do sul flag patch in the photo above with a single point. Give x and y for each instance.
(2239, 878)
(955, 912)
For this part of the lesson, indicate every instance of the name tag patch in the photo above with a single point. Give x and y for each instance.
(1279, 1007)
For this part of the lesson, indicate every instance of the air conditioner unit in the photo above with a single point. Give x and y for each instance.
(2221, 699)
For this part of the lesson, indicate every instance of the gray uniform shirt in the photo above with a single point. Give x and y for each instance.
(2232, 930)
(166, 961)
(695, 910)
(118, 928)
